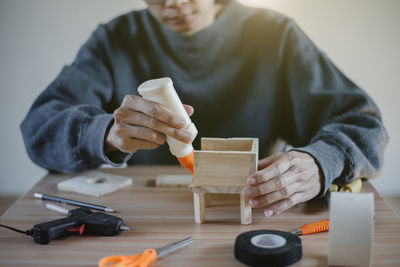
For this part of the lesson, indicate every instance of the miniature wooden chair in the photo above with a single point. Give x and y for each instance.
(222, 166)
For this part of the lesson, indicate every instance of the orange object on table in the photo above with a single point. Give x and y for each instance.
(312, 228)
(143, 259)
(138, 260)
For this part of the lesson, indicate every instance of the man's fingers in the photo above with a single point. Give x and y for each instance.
(288, 179)
(276, 196)
(128, 131)
(153, 109)
(265, 162)
(284, 204)
(275, 169)
(126, 116)
(131, 145)
(143, 124)
(276, 184)
(304, 193)
(189, 109)
(122, 137)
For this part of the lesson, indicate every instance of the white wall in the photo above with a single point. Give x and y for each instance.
(38, 37)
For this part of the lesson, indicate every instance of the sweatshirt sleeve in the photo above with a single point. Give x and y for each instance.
(65, 128)
(328, 116)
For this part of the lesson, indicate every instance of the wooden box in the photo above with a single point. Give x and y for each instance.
(222, 166)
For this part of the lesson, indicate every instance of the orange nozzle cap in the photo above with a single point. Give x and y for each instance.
(187, 162)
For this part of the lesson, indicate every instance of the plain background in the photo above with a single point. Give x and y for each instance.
(38, 37)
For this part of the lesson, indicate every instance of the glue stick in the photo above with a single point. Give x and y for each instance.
(162, 91)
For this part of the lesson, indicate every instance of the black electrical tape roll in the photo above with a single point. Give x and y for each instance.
(264, 248)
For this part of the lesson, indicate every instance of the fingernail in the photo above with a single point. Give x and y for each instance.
(268, 213)
(251, 180)
(254, 202)
(247, 192)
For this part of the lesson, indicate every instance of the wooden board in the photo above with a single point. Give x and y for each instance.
(174, 180)
(225, 161)
(227, 144)
(222, 168)
(94, 183)
(216, 189)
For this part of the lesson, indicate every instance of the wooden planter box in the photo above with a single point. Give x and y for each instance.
(222, 166)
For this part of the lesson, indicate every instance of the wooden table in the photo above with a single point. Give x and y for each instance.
(158, 216)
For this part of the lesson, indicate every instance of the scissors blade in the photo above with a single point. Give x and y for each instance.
(174, 246)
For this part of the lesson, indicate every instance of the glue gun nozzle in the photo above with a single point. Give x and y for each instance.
(124, 227)
(109, 210)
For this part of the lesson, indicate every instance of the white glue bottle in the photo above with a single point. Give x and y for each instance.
(162, 91)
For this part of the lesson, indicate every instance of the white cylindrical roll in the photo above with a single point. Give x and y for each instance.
(351, 229)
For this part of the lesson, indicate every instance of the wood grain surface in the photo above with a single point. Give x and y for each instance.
(159, 216)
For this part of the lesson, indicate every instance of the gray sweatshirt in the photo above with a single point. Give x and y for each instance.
(253, 73)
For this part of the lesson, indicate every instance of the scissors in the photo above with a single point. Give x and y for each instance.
(143, 259)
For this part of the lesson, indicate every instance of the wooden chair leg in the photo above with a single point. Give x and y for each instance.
(199, 203)
(245, 210)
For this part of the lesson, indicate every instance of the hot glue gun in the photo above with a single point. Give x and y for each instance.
(81, 220)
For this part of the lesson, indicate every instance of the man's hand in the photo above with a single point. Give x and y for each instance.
(282, 181)
(143, 124)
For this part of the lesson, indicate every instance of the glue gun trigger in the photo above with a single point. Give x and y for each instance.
(78, 230)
